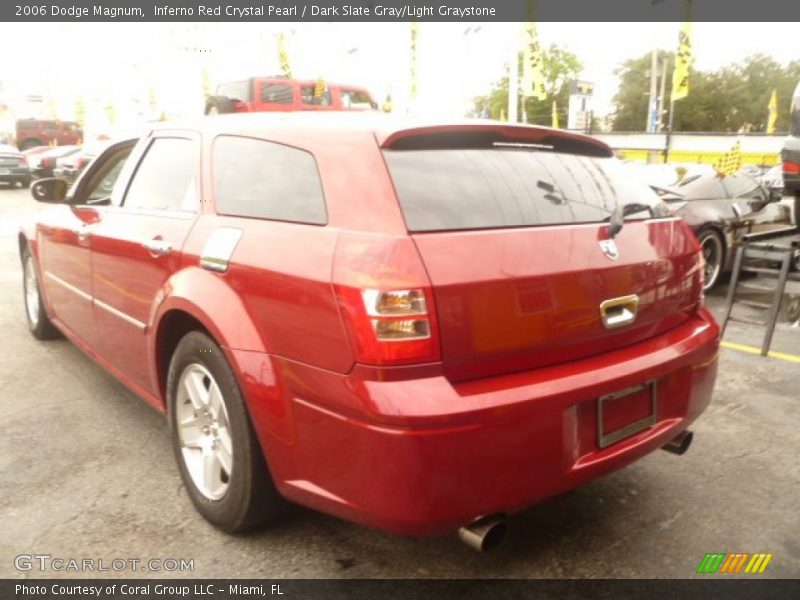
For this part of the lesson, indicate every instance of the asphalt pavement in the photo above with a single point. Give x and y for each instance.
(87, 472)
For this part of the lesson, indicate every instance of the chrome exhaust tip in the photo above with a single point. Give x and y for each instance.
(484, 534)
(680, 443)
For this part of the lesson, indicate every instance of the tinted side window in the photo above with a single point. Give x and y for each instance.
(276, 93)
(476, 188)
(256, 178)
(701, 187)
(308, 96)
(164, 180)
(355, 98)
(102, 183)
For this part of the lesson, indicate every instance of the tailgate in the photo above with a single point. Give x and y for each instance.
(510, 300)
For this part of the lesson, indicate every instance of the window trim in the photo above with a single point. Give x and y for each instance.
(214, 203)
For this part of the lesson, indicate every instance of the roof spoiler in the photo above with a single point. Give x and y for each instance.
(483, 136)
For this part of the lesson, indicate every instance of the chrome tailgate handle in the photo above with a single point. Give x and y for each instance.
(618, 312)
(157, 247)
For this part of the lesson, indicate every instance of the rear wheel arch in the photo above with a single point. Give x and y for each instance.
(172, 327)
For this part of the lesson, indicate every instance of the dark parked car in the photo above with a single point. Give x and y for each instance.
(436, 328)
(70, 166)
(14, 167)
(47, 161)
(720, 210)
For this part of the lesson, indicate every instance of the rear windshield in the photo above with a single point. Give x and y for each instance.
(441, 190)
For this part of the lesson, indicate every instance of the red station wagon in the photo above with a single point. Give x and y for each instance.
(419, 328)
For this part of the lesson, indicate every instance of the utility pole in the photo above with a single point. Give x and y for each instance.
(661, 99)
(513, 81)
(653, 89)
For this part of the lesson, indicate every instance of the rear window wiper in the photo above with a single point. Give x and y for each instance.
(616, 220)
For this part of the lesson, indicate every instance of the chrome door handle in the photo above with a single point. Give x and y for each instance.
(158, 247)
(617, 312)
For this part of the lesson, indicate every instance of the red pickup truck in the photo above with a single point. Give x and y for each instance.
(267, 94)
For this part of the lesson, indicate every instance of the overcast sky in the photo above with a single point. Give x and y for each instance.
(456, 60)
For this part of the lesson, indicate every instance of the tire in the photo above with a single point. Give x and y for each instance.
(215, 446)
(713, 248)
(39, 323)
(219, 105)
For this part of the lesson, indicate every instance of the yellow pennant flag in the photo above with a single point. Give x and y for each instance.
(683, 60)
(772, 120)
(555, 115)
(532, 65)
(731, 161)
(283, 56)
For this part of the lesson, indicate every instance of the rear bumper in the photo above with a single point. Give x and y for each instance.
(14, 174)
(426, 456)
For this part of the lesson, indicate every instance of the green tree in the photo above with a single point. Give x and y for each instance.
(560, 67)
(732, 98)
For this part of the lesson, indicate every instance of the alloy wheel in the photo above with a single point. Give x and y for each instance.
(204, 431)
(31, 291)
(712, 257)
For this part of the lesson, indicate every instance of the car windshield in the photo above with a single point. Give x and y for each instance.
(698, 187)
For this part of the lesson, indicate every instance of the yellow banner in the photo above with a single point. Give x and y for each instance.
(772, 120)
(683, 61)
(532, 65)
(283, 56)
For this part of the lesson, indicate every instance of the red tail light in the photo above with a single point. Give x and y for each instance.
(791, 167)
(23, 162)
(81, 163)
(386, 300)
(46, 163)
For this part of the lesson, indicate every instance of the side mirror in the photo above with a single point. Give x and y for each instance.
(775, 195)
(50, 190)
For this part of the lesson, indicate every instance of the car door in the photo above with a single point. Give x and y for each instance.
(63, 246)
(136, 246)
(64, 235)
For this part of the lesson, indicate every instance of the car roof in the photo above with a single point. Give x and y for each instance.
(280, 78)
(394, 132)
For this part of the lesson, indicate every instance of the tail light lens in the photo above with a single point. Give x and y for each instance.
(791, 167)
(386, 301)
(46, 163)
(81, 163)
(23, 162)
